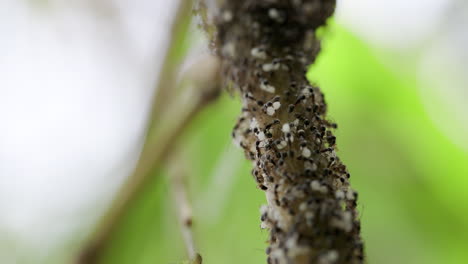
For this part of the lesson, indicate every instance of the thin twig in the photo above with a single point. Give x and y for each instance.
(167, 77)
(183, 206)
(99, 239)
(203, 89)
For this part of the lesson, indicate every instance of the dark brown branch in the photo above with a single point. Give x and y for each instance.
(266, 47)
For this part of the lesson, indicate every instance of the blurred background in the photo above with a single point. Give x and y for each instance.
(76, 86)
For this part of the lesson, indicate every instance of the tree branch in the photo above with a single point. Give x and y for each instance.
(203, 89)
(266, 47)
(171, 62)
(178, 175)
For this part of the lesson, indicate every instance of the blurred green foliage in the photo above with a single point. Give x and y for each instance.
(410, 176)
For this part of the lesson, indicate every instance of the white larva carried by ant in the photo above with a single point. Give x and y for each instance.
(306, 152)
(268, 67)
(329, 258)
(258, 53)
(267, 87)
(282, 144)
(227, 16)
(270, 111)
(286, 128)
(276, 105)
(253, 124)
(275, 15)
(316, 186)
(261, 136)
(343, 222)
(339, 194)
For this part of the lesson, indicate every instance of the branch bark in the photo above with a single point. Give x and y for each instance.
(266, 47)
(178, 176)
(171, 61)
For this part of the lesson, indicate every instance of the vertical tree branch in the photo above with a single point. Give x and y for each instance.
(178, 175)
(204, 88)
(266, 47)
(171, 61)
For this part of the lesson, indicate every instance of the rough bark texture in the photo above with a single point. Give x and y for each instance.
(266, 47)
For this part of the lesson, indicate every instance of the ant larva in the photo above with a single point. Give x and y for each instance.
(264, 85)
(258, 53)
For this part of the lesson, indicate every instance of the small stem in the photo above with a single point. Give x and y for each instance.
(184, 208)
(171, 62)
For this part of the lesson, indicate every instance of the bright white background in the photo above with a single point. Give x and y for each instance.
(76, 80)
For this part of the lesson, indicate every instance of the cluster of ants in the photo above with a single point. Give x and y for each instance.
(266, 47)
